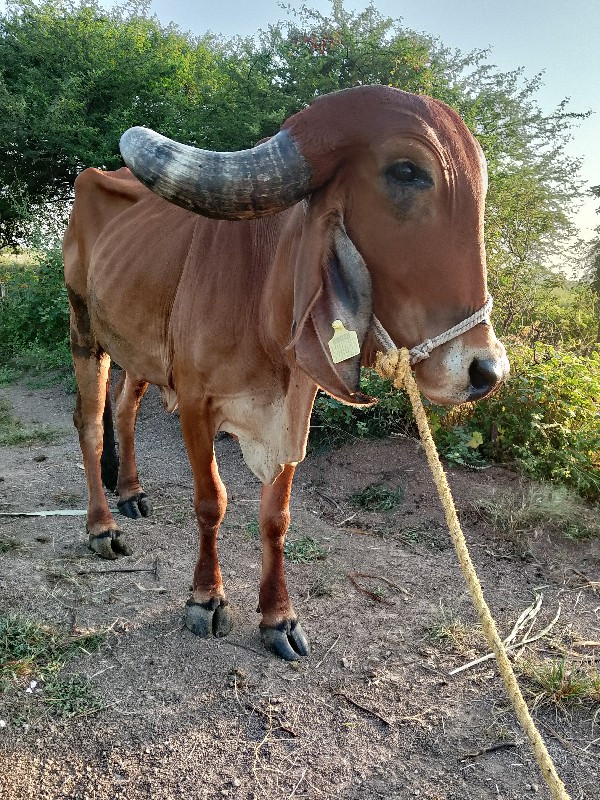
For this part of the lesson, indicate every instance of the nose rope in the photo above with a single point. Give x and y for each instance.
(423, 350)
(395, 365)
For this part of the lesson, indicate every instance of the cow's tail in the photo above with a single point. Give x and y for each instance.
(109, 461)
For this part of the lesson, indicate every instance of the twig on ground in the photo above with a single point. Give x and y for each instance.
(356, 704)
(298, 784)
(269, 718)
(374, 595)
(153, 570)
(589, 583)
(490, 749)
(328, 499)
(345, 520)
(245, 647)
(328, 651)
(509, 647)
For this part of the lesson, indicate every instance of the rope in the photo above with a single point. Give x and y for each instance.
(395, 365)
(423, 350)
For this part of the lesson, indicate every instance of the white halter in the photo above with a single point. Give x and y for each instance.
(423, 350)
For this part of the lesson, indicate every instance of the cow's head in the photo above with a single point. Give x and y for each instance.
(394, 186)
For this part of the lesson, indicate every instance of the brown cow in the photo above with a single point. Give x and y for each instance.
(232, 318)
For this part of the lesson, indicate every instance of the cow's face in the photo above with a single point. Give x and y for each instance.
(394, 227)
(413, 207)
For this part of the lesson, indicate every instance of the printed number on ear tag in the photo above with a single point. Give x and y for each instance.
(344, 344)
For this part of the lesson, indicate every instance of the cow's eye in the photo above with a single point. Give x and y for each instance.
(403, 172)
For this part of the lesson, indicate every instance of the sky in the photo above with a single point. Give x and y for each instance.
(560, 38)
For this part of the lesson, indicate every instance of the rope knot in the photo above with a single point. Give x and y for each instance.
(393, 365)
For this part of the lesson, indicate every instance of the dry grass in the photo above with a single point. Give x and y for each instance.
(539, 505)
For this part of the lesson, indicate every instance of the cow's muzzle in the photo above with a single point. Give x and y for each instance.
(485, 374)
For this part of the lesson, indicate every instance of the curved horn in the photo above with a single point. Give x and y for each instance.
(249, 183)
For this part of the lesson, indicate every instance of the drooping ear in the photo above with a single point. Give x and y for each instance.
(331, 282)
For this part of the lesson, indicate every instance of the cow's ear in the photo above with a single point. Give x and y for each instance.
(331, 282)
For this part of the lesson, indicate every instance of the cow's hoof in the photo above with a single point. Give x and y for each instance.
(287, 640)
(109, 544)
(212, 618)
(135, 507)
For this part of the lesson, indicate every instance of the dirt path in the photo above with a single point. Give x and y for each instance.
(372, 714)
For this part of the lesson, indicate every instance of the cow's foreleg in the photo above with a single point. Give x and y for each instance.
(280, 630)
(133, 501)
(207, 611)
(91, 370)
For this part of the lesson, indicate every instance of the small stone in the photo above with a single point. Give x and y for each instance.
(535, 787)
(346, 663)
(42, 539)
(40, 457)
(2, 723)
(236, 782)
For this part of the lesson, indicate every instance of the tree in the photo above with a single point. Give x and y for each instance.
(73, 77)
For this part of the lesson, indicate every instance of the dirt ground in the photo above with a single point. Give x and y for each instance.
(373, 713)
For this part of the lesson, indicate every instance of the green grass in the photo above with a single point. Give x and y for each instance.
(70, 697)
(377, 497)
(253, 529)
(447, 628)
(12, 430)
(322, 584)
(560, 683)
(29, 649)
(304, 550)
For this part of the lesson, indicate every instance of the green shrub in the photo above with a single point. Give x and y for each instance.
(334, 423)
(34, 315)
(545, 419)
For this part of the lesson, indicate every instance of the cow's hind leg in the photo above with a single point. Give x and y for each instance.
(91, 370)
(280, 630)
(207, 611)
(133, 501)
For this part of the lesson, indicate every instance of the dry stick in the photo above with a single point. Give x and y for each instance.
(329, 649)
(509, 647)
(491, 749)
(328, 499)
(153, 570)
(269, 718)
(396, 364)
(362, 708)
(380, 578)
(368, 592)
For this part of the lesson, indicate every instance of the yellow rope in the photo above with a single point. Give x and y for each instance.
(395, 365)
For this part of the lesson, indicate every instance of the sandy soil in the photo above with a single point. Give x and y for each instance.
(373, 713)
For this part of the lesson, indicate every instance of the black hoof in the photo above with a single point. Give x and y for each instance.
(209, 619)
(137, 506)
(287, 640)
(109, 544)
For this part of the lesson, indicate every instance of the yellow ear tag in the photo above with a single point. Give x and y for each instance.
(344, 344)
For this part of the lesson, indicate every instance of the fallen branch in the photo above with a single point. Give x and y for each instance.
(362, 708)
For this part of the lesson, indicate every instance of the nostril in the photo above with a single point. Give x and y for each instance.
(484, 375)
